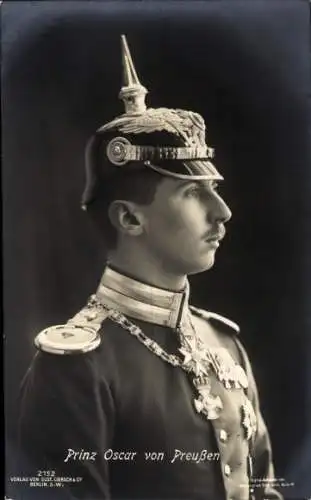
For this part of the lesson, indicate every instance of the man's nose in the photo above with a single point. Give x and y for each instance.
(218, 211)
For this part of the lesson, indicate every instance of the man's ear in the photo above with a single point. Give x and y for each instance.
(126, 217)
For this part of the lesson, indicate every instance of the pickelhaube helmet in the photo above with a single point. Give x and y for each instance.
(168, 141)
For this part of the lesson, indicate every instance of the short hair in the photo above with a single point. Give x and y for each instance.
(137, 185)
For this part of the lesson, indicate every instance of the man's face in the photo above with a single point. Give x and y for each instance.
(184, 224)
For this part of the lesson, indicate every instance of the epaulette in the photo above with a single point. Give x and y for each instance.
(79, 335)
(215, 318)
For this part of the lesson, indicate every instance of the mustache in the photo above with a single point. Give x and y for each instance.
(215, 234)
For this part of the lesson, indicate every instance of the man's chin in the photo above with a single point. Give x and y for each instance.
(207, 264)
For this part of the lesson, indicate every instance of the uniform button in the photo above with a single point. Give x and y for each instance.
(223, 435)
(227, 470)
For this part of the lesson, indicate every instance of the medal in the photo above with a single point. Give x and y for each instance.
(209, 405)
(206, 403)
(228, 372)
(248, 419)
(194, 358)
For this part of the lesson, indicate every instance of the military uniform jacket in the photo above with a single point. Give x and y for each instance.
(119, 422)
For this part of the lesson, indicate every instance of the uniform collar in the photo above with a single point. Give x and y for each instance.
(141, 301)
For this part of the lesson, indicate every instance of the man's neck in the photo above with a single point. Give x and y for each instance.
(147, 271)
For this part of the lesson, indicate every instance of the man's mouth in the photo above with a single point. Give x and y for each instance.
(212, 239)
(212, 242)
(216, 237)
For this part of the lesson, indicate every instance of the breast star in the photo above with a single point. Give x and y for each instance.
(194, 359)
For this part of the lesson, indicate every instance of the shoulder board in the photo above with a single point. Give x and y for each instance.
(79, 335)
(215, 318)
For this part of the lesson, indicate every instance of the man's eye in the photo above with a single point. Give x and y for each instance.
(192, 192)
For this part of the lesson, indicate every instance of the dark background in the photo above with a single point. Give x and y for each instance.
(245, 66)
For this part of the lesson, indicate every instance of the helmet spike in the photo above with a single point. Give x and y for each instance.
(133, 92)
(130, 75)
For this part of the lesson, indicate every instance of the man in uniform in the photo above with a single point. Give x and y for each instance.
(140, 395)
